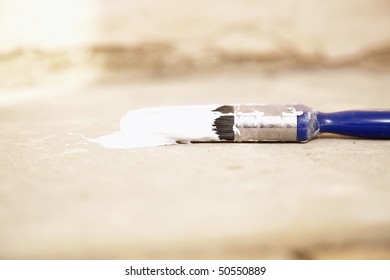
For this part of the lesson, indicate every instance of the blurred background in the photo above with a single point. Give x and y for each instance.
(99, 39)
(71, 67)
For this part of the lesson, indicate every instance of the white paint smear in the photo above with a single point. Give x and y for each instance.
(162, 126)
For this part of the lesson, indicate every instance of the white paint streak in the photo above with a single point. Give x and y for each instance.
(162, 126)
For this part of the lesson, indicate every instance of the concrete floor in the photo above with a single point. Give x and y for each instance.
(62, 198)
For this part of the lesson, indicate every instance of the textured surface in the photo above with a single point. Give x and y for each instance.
(63, 198)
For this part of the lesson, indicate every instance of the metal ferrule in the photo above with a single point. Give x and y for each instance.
(254, 123)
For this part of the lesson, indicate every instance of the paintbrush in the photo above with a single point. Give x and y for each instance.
(241, 123)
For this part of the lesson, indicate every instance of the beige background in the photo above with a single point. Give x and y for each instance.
(76, 67)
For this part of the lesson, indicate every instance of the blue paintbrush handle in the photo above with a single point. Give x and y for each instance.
(366, 124)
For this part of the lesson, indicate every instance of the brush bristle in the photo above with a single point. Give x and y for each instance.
(223, 125)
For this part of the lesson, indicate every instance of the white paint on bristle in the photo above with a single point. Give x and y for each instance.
(163, 126)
